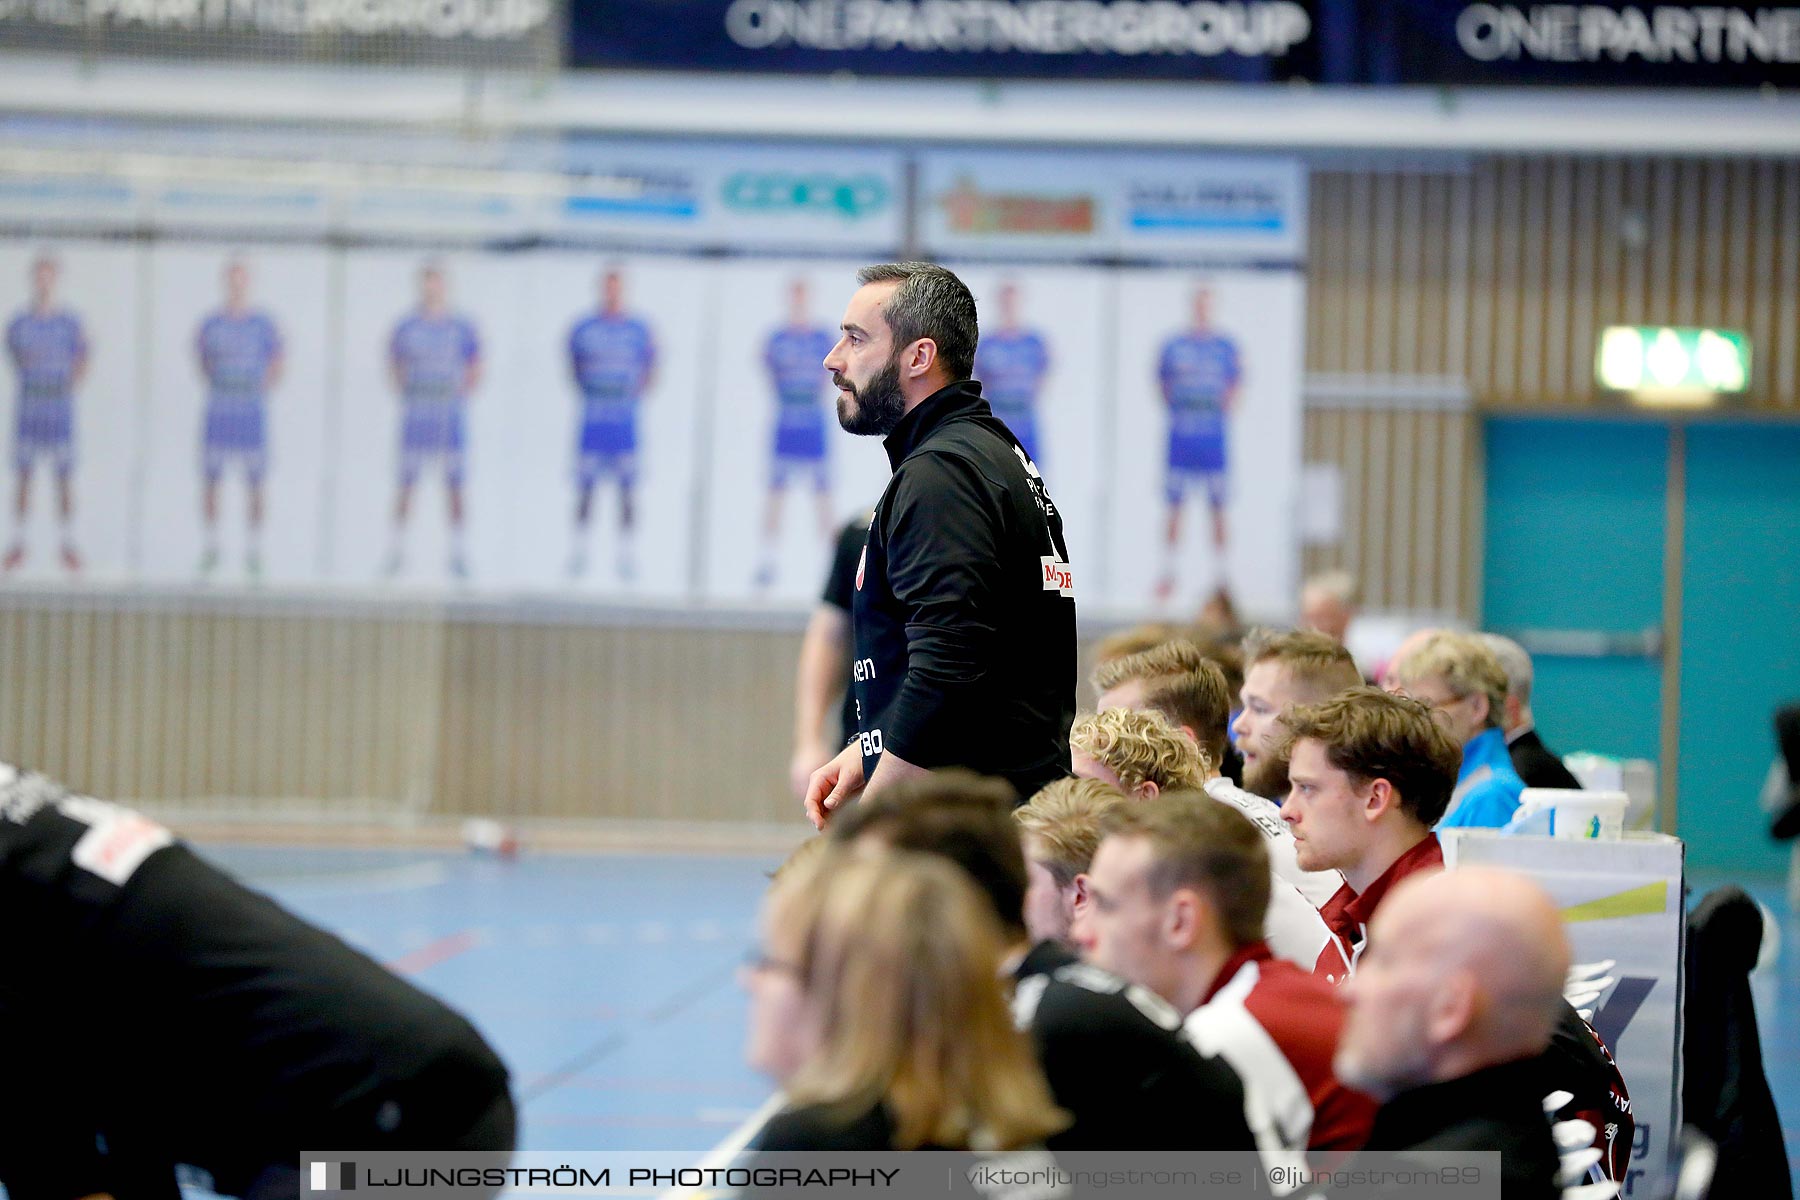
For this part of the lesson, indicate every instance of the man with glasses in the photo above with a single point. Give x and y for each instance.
(1464, 685)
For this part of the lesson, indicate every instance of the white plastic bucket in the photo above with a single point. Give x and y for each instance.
(1580, 815)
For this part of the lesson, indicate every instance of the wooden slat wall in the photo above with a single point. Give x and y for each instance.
(236, 714)
(1494, 276)
(1412, 487)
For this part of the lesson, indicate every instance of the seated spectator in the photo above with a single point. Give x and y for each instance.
(1450, 1009)
(1137, 752)
(164, 1014)
(1369, 774)
(1463, 684)
(1328, 603)
(1218, 616)
(1134, 640)
(1389, 676)
(866, 1065)
(1060, 828)
(1536, 764)
(1179, 890)
(1113, 1054)
(1181, 682)
(1124, 744)
(1282, 670)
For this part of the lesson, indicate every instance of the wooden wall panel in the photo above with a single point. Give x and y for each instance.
(1439, 292)
(280, 715)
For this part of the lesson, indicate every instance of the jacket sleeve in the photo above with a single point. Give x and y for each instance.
(944, 542)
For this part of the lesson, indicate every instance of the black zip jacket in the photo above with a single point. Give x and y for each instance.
(1117, 1062)
(964, 615)
(160, 1003)
(1496, 1108)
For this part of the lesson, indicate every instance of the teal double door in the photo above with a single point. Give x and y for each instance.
(1578, 523)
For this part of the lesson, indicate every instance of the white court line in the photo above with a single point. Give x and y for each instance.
(735, 1143)
(410, 877)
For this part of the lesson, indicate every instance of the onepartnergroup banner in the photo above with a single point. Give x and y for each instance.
(1017, 1175)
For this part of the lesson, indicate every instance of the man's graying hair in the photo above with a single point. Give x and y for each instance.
(932, 303)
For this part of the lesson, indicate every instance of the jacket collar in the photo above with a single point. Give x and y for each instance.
(1496, 1091)
(1249, 952)
(959, 399)
(1427, 855)
(1044, 958)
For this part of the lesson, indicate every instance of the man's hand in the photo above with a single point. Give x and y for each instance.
(807, 759)
(836, 783)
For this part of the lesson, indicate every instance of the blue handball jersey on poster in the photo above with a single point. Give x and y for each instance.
(611, 356)
(1011, 367)
(1198, 371)
(45, 350)
(236, 353)
(796, 361)
(432, 356)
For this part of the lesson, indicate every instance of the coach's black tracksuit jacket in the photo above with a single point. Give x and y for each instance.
(964, 615)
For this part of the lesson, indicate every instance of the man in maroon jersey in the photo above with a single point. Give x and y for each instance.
(1179, 890)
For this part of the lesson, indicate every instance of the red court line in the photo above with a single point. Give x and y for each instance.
(434, 953)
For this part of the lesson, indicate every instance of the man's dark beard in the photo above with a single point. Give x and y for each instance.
(1267, 777)
(879, 404)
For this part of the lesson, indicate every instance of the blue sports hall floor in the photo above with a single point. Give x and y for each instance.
(608, 982)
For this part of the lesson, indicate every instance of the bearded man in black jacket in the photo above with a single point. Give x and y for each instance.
(964, 613)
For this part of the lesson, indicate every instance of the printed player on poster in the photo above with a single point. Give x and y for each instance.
(49, 354)
(1012, 363)
(434, 359)
(612, 356)
(795, 358)
(1200, 378)
(239, 351)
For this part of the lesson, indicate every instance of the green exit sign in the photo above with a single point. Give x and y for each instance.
(1658, 364)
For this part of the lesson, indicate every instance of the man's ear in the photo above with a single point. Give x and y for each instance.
(1452, 1007)
(919, 358)
(1146, 790)
(1381, 798)
(1082, 898)
(1184, 913)
(1481, 708)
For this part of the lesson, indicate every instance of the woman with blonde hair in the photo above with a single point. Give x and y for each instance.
(876, 1006)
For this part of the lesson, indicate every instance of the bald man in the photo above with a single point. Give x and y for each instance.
(1450, 1008)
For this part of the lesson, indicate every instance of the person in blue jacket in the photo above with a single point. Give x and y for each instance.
(1465, 686)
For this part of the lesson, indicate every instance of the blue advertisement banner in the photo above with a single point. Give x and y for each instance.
(1587, 45)
(1437, 42)
(1242, 40)
(518, 34)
